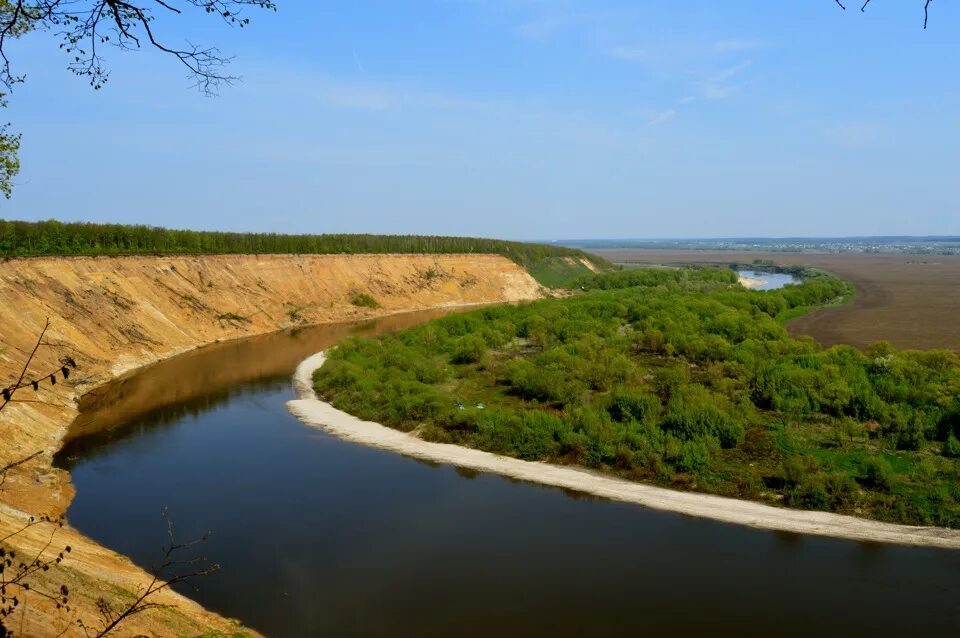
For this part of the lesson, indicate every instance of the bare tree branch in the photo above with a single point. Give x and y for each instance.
(10, 466)
(85, 25)
(10, 390)
(16, 575)
(863, 9)
(168, 574)
(8, 394)
(17, 580)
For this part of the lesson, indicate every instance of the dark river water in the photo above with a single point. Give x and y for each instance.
(317, 536)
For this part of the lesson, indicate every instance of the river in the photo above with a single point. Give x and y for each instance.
(317, 536)
(771, 280)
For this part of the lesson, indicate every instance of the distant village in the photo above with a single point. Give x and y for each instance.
(903, 245)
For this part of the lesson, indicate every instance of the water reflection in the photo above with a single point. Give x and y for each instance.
(210, 374)
(319, 536)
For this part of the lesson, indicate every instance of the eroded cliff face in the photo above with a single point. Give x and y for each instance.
(115, 314)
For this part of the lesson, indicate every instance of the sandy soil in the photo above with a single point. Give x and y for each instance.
(751, 282)
(320, 414)
(116, 314)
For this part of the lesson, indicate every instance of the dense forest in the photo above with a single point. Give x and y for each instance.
(29, 239)
(682, 378)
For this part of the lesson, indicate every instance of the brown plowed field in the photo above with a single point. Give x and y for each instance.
(913, 301)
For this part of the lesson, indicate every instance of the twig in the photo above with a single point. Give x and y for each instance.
(26, 366)
(161, 580)
(6, 468)
(926, 9)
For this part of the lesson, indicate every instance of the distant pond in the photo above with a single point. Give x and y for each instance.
(771, 280)
(323, 537)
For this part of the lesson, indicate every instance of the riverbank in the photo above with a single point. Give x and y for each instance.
(908, 300)
(751, 282)
(312, 411)
(113, 315)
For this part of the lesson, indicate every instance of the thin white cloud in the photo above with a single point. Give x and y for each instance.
(731, 72)
(656, 117)
(309, 88)
(662, 117)
(720, 85)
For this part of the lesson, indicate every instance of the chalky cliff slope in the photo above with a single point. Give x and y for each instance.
(114, 314)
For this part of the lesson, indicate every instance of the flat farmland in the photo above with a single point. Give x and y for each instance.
(912, 301)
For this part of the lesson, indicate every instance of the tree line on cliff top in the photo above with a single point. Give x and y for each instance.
(50, 238)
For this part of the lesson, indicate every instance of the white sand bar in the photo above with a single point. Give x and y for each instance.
(320, 414)
(751, 282)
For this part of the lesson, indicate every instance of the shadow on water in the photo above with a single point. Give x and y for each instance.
(213, 373)
(318, 536)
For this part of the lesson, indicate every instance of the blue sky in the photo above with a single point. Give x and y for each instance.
(515, 118)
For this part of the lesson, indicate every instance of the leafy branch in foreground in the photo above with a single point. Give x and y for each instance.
(9, 158)
(17, 575)
(8, 393)
(86, 26)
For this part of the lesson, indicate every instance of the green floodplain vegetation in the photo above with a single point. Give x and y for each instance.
(551, 265)
(680, 378)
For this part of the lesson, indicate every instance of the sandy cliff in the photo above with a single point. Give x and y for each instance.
(115, 314)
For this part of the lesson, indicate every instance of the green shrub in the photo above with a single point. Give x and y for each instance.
(877, 473)
(951, 448)
(675, 371)
(694, 414)
(668, 380)
(809, 495)
(470, 348)
(364, 300)
(796, 471)
(693, 455)
(545, 379)
(633, 405)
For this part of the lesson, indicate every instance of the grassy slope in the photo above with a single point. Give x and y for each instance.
(560, 272)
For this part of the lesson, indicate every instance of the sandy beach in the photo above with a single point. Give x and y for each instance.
(751, 282)
(314, 412)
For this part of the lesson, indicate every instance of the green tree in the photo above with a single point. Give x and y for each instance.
(877, 473)
(469, 349)
(9, 155)
(951, 448)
